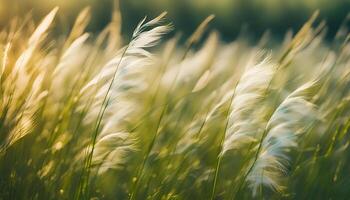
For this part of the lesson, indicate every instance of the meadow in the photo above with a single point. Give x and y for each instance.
(97, 116)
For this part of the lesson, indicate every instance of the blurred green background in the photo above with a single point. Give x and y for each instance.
(232, 16)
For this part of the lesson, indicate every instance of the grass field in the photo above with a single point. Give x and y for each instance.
(93, 116)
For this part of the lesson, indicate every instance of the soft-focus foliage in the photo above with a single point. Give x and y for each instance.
(93, 117)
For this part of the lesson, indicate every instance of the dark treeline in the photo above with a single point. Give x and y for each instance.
(233, 17)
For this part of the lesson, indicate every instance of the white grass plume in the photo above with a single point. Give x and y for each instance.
(111, 151)
(242, 127)
(133, 64)
(290, 119)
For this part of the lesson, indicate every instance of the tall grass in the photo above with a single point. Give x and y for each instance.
(94, 117)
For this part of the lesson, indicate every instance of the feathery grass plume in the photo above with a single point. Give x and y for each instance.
(4, 60)
(79, 26)
(111, 151)
(196, 36)
(299, 41)
(33, 42)
(243, 127)
(240, 129)
(119, 79)
(290, 119)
